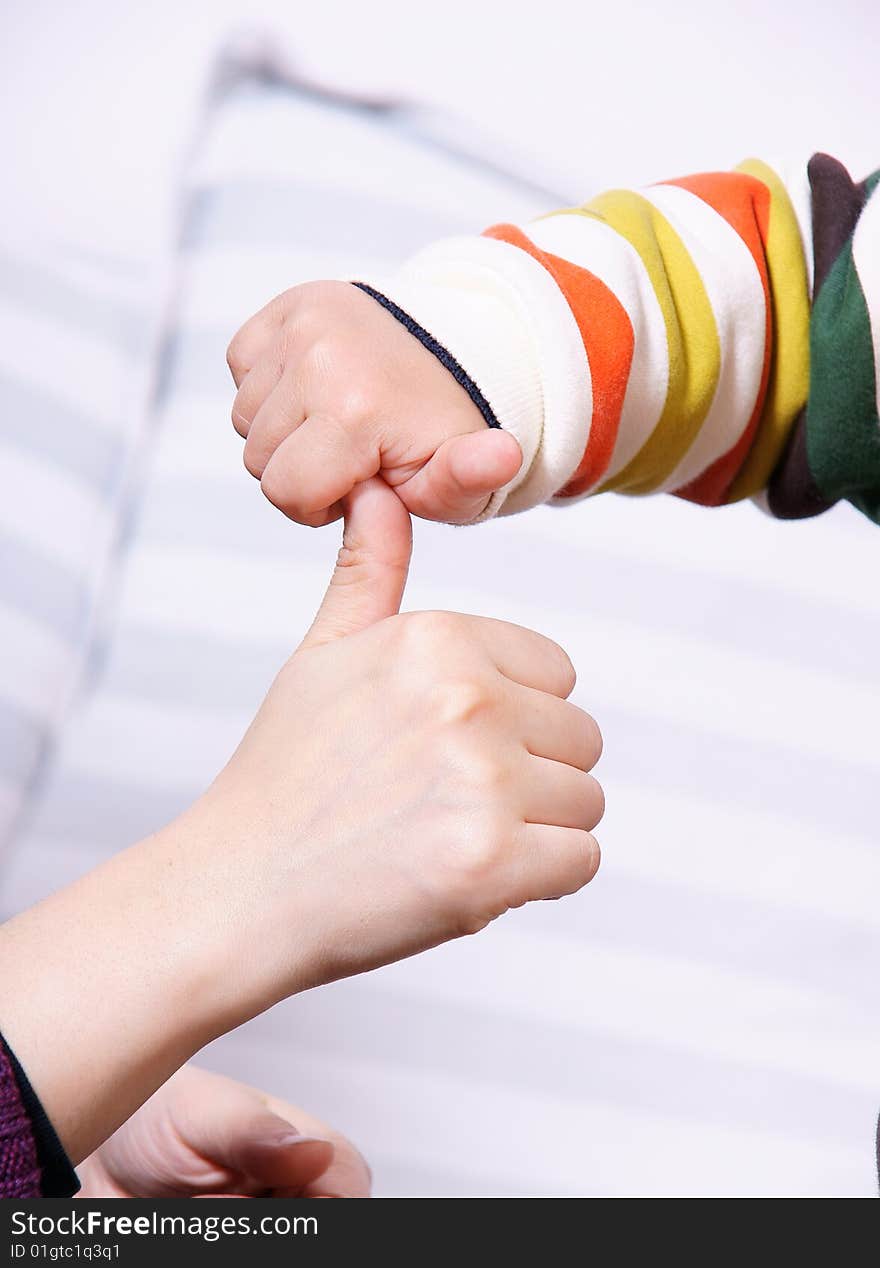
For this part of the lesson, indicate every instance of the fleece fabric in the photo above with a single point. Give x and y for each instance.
(714, 336)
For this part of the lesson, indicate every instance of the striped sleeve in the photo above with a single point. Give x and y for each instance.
(713, 336)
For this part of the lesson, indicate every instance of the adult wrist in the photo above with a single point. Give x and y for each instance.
(110, 986)
(253, 950)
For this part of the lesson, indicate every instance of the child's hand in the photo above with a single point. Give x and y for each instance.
(333, 390)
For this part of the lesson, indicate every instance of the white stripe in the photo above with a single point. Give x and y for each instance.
(733, 286)
(278, 143)
(76, 369)
(486, 334)
(866, 257)
(136, 741)
(226, 285)
(592, 245)
(796, 179)
(44, 505)
(43, 866)
(246, 596)
(824, 560)
(36, 666)
(795, 871)
(694, 681)
(542, 1144)
(685, 679)
(195, 438)
(497, 269)
(749, 1019)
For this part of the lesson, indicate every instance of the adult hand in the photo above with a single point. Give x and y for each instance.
(203, 1134)
(407, 779)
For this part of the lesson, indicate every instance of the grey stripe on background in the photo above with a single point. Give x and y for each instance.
(682, 602)
(186, 669)
(733, 933)
(646, 750)
(195, 361)
(60, 436)
(341, 1097)
(659, 917)
(28, 286)
(360, 1024)
(104, 814)
(396, 1177)
(659, 753)
(41, 588)
(21, 739)
(304, 215)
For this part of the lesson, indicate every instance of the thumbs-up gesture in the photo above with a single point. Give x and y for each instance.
(408, 778)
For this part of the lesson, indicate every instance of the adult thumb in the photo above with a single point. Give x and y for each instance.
(370, 574)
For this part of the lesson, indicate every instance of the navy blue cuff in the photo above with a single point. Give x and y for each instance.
(445, 357)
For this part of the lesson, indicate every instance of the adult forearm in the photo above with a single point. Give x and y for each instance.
(111, 984)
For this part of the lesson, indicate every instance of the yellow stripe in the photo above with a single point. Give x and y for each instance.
(691, 336)
(789, 380)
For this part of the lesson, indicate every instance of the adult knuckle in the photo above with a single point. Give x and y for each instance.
(590, 858)
(273, 485)
(488, 772)
(594, 741)
(561, 665)
(430, 632)
(461, 701)
(254, 468)
(470, 922)
(581, 865)
(235, 355)
(480, 856)
(595, 802)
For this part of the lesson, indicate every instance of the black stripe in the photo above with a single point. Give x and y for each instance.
(442, 354)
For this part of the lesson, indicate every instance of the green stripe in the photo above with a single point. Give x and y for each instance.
(843, 430)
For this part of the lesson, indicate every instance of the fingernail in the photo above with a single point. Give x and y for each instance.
(294, 1138)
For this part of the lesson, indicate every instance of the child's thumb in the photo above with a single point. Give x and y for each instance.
(457, 482)
(370, 574)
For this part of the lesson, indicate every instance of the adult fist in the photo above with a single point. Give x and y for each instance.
(332, 390)
(407, 779)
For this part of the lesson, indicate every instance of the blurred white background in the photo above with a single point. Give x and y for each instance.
(98, 97)
(705, 1018)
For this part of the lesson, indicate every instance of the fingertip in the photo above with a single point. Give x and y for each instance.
(482, 462)
(507, 444)
(378, 522)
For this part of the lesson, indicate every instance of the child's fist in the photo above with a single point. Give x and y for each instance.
(332, 390)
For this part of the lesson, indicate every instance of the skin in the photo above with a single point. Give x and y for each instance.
(407, 780)
(202, 1134)
(332, 390)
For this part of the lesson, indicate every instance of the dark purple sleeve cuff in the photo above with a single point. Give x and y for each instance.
(33, 1163)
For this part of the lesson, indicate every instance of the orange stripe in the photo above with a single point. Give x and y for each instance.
(608, 340)
(744, 202)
